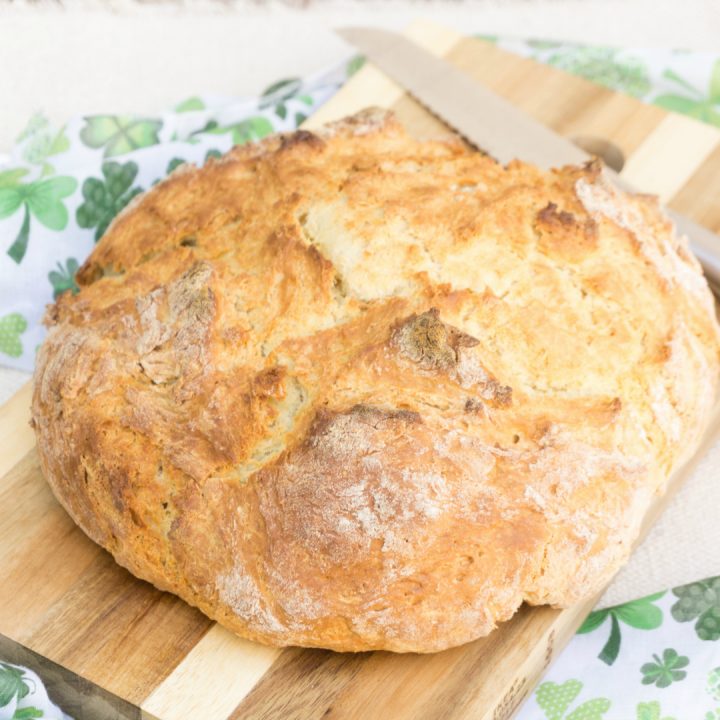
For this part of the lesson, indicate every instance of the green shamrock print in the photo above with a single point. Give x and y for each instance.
(278, 93)
(12, 326)
(120, 134)
(663, 673)
(555, 700)
(640, 614)
(650, 711)
(36, 124)
(300, 118)
(28, 713)
(41, 199)
(40, 142)
(250, 130)
(12, 178)
(104, 199)
(190, 105)
(354, 64)
(696, 104)
(699, 600)
(713, 683)
(713, 714)
(13, 684)
(602, 66)
(176, 162)
(254, 128)
(63, 278)
(543, 44)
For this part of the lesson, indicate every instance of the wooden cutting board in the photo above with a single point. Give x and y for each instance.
(82, 620)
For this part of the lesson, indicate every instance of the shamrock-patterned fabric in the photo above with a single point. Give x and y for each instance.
(676, 80)
(23, 696)
(656, 658)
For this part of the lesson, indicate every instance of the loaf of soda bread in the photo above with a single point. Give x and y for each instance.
(352, 390)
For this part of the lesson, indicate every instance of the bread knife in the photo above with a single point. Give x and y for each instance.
(492, 124)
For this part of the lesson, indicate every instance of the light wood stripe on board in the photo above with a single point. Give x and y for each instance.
(315, 684)
(698, 198)
(17, 435)
(212, 679)
(670, 155)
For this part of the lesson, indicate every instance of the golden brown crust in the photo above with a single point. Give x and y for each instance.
(351, 390)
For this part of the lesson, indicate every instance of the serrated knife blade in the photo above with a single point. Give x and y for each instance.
(493, 124)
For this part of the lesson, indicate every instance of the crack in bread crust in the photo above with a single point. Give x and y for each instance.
(348, 389)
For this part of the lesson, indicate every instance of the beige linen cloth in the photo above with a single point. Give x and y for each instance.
(683, 545)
